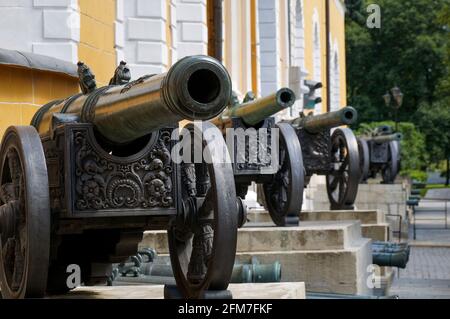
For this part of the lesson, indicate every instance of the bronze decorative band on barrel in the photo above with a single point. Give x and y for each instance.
(88, 110)
(40, 113)
(69, 102)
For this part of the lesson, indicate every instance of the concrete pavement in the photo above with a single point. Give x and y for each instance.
(428, 273)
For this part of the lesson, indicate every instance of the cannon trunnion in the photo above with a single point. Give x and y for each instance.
(103, 171)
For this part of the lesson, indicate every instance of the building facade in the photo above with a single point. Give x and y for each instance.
(267, 44)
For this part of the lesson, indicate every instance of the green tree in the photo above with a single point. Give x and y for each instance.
(408, 50)
(435, 124)
(412, 51)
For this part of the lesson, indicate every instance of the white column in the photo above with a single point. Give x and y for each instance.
(270, 62)
(141, 35)
(47, 27)
(192, 27)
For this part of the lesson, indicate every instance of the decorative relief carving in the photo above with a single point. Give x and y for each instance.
(316, 149)
(105, 183)
(257, 155)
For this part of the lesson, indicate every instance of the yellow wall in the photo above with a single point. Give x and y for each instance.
(337, 29)
(96, 47)
(23, 91)
(238, 48)
(337, 23)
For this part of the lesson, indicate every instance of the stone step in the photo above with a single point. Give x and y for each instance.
(367, 193)
(308, 236)
(330, 257)
(374, 225)
(366, 217)
(377, 232)
(342, 271)
(389, 199)
(293, 290)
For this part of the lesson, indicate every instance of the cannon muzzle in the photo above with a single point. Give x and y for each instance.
(384, 130)
(317, 123)
(254, 112)
(386, 138)
(195, 88)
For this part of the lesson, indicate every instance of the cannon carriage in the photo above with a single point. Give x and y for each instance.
(380, 153)
(333, 154)
(80, 185)
(265, 153)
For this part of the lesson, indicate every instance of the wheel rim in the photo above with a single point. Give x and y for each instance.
(342, 182)
(364, 159)
(203, 251)
(284, 194)
(24, 215)
(390, 170)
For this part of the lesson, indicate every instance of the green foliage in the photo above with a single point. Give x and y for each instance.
(418, 176)
(411, 51)
(435, 124)
(413, 153)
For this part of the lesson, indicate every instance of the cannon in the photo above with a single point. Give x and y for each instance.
(380, 153)
(266, 153)
(332, 154)
(390, 254)
(139, 269)
(80, 185)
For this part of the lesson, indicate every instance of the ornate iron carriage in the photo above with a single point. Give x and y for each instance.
(94, 171)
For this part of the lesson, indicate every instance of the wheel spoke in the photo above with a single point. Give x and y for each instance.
(201, 254)
(7, 193)
(19, 266)
(334, 183)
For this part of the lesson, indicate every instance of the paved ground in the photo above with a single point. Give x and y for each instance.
(435, 178)
(428, 273)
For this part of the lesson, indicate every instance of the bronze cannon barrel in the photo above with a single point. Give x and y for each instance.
(195, 88)
(386, 138)
(254, 112)
(383, 130)
(317, 123)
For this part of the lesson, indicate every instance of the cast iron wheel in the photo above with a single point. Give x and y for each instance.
(390, 170)
(343, 181)
(284, 194)
(364, 159)
(24, 215)
(202, 243)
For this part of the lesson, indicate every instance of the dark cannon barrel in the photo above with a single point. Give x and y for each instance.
(390, 254)
(394, 259)
(384, 130)
(254, 112)
(317, 123)
(386, 138)
(195, 88)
